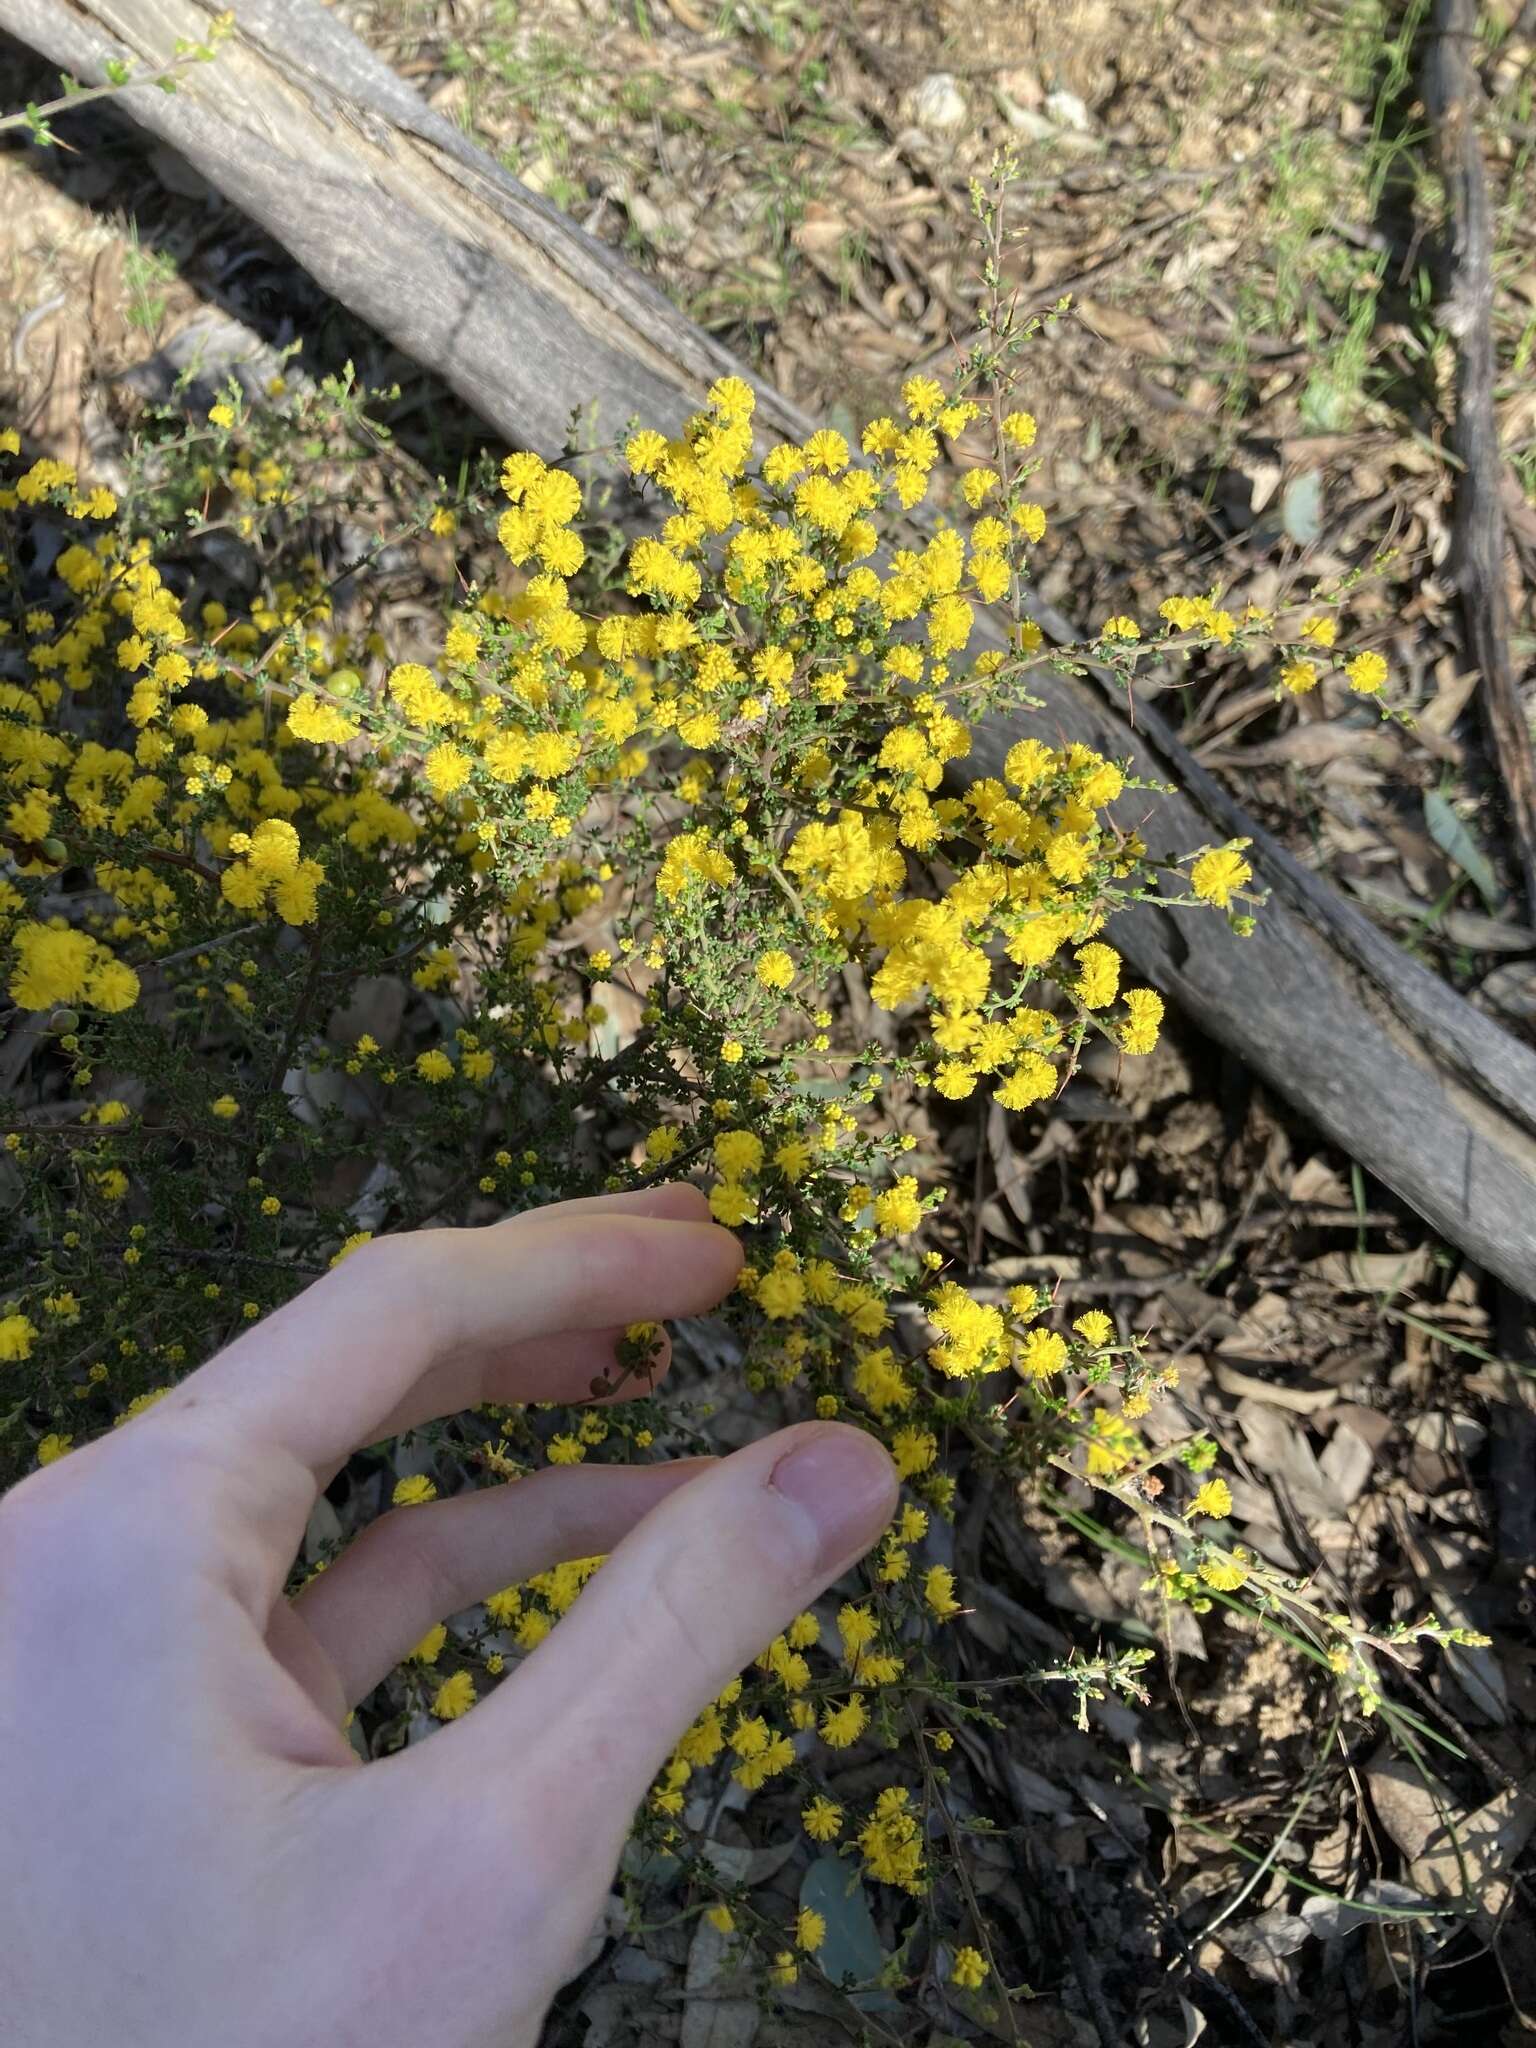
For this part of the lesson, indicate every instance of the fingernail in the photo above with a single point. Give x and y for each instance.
(846, 1486)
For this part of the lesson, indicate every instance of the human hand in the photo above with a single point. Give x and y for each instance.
(190, 1850)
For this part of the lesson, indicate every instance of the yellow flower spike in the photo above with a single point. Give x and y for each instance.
(1214, 1498)
(454, 1697)
(1225, 1571)
(939, 1592)
(810, 1930)
(1216, 875)
(968, 1969)
(1366, 673)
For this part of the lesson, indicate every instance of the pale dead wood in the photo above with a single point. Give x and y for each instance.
(417, 232)
(1452, 95)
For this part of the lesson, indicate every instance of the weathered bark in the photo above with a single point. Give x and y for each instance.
(417, 232)
(1478, 567)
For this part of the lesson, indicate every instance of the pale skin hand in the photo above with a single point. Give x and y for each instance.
(190, 1850)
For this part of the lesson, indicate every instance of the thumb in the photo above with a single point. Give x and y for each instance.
(689, 1597)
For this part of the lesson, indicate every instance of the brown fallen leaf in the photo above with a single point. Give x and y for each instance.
(1346, 1462)
(1310, 746)
(1302, 1395)
(1315, 1180)
(1469, 1860)
(820, 230)
(711, 2018)
(1129, 330)
(1382, 1273)
(1278, 1450)
(1449, 1852)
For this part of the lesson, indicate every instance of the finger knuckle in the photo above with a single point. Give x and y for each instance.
(690, 1643)
(398, 1282)
(614, 1259)
(406, 1550)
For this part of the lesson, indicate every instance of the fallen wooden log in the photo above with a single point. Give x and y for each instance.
(1477, 561)
(393, 211)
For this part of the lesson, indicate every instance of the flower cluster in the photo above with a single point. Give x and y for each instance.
(567, 896)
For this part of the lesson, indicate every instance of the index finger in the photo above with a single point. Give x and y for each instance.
(413, 1327)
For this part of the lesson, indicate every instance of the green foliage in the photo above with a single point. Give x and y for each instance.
(325, 918)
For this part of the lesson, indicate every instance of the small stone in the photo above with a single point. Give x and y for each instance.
(939, 104)
(1027, 122)
(1068, 111)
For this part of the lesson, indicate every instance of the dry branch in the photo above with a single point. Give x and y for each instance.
(1451, 96)
(403, 220)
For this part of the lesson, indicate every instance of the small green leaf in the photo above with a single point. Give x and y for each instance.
(118, 71)
(1301, 507)
(851, 1955)
(1453, 836)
